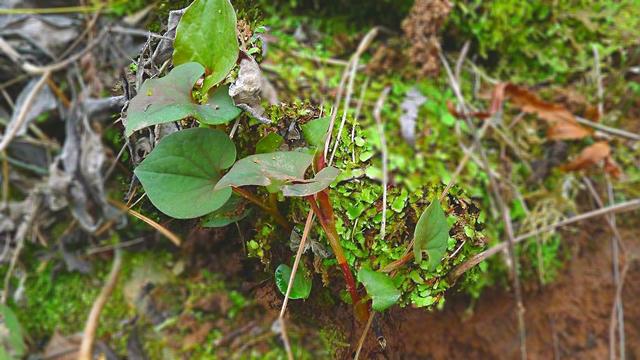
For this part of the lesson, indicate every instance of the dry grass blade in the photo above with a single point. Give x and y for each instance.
(294, 270)
(86, 347)
(353, 66)
(363, 337)
(385, 155)
(161, 229)
(15, 126)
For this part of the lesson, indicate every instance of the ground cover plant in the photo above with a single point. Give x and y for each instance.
(312, 172)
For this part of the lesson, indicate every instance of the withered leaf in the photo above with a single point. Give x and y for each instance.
(589, 156)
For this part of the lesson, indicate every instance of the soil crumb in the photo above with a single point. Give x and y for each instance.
(421, 28)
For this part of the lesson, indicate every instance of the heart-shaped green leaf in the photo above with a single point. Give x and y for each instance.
(321, 181)
(181, 173)
(431, 234)
(169, 99)
(206, 34)
(232, 211)
(315, 131)
(380, 287)
(275, 168)
(301, 283)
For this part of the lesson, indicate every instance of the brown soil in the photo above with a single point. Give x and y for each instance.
(568, 319)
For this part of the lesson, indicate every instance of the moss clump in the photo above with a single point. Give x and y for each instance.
(512, 34)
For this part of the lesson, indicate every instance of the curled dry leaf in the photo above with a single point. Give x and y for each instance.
(562, 123)
(593, 155)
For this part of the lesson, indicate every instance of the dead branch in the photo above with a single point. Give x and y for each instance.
(478, 258)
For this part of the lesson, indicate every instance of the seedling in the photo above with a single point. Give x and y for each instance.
(184, 176)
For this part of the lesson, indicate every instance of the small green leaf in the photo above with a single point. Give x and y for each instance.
(219, 109)
(380, 287)
(321, 181)
(275, 168)
(232, 211)
(206, 34)
(269, 143)
(431, 234)
(11, 335)
(315, 131)
(169, 99)
(181, 173)
(301, 283)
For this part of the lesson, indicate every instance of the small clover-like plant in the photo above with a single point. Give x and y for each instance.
(184, 176)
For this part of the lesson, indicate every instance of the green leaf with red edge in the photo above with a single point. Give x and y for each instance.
(431, 234)
(169, 99)
(206, 34)
(180, 174)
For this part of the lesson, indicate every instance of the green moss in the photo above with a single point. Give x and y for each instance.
(511, 34)
(333, 340)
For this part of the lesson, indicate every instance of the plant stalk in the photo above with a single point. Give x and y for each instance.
(273, 211)
(324, 212)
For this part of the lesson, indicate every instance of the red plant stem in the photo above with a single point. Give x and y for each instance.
(273, 211)
(324, 212)
(398, 263)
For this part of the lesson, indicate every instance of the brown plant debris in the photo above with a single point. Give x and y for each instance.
(421, 30)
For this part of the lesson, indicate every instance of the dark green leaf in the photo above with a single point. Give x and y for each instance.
(315, 131)
(232, 211)
(267, 169)
(206, 34)
(431, 235)
(301, 283)
(380, 287)
(321, 181)
(181, 173)
(11, 336)
(269, 143)
(169, 99)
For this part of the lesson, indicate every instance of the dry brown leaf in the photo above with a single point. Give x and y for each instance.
(562, 123)
(567, 131)
(589, 156)
(611, 168)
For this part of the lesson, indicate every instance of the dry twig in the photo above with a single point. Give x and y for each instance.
(88, 338)
(478, 258)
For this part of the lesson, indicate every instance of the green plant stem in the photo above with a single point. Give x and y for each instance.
(273, 211)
